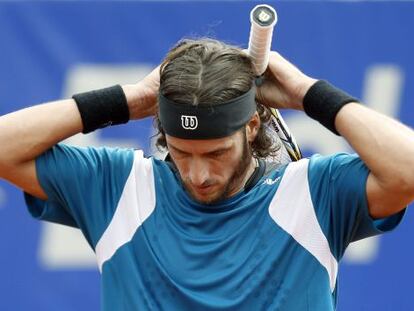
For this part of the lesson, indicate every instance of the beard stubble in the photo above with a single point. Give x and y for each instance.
(233, 182)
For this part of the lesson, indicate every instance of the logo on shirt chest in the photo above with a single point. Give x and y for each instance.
(270, 181)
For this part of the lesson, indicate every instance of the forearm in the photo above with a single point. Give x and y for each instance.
(27, 133)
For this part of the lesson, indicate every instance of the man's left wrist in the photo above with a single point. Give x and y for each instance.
(140, 100)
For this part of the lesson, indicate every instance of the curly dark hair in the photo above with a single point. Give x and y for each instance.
(205, 71)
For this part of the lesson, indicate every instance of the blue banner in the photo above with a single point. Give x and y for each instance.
(51, 50)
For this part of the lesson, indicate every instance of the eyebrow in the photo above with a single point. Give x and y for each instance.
(220, 149)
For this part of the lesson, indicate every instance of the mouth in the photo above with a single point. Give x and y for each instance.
(209, 194)
(203, 190)
(204, 194)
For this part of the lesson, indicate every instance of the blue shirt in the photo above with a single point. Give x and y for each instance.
(274, 247)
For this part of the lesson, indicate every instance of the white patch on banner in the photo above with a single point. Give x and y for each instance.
(363, 251)
(63, 247)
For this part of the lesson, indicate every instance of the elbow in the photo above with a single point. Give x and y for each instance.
(6, 168)
(401, 186)
(406, 184)
(3, 167)
(387, 199)
(408, 191)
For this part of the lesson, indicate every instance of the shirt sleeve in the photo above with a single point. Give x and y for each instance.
(83, 186)
(338, 192)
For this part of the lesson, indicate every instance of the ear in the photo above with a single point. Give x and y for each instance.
(252, 127)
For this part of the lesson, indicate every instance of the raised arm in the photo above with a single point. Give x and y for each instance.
(385, 145)
(26, 134)
(387, 148)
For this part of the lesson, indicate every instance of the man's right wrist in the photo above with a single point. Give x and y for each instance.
(303, 89)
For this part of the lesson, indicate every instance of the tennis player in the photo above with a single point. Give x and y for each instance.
(214, 226)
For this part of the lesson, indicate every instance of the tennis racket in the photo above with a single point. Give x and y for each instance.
(263, 19)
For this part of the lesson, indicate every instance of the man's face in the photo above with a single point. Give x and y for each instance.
(213, 169)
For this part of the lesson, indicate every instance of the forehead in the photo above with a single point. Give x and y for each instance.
(203, 145)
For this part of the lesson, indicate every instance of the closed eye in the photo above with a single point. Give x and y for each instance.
(181, 154)
(218, 153)
(178, 152)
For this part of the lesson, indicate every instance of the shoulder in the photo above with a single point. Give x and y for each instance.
(333, 170)
(333, 161)
(86, 155)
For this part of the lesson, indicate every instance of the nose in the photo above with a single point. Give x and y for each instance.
(199, 172)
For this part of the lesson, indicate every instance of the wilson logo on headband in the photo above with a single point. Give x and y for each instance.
(189, 122)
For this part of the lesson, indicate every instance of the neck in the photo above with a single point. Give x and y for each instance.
(245, 177)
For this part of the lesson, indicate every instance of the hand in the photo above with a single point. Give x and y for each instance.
(142, 97)
(284, 85)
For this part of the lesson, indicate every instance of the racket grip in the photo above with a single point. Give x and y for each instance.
(263, 18)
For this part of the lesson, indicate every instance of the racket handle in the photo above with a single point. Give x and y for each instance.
(263, 18)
